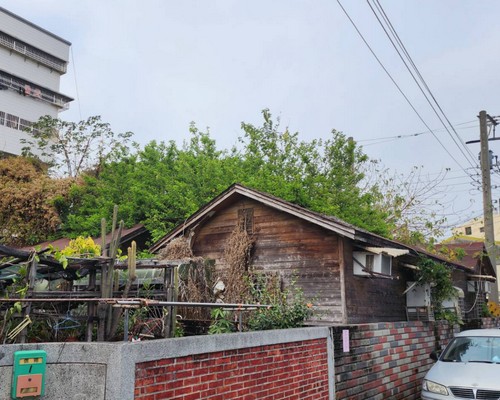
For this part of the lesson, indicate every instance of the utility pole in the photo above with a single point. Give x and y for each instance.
(489, 232)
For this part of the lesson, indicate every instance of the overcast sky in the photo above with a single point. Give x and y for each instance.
(153, 66)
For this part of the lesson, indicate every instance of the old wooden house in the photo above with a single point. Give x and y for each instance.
(353, 276)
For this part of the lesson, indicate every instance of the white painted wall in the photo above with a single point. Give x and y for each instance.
(10, 141)
(29, 33)
(25, 107)
(11, 102)
(28, 69)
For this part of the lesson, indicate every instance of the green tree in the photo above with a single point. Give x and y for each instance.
(322, 175)
(71, 148)
(159, 185)
(162, 183)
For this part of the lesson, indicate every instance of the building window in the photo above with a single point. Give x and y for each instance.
(12, 121)
(369, 264)
(468, 230)
(24, 124)
(245, 220)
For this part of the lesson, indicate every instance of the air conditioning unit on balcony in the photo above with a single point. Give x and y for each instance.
(366, 263)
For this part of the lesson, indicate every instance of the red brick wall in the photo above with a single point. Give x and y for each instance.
(386, 360)
(296, 370)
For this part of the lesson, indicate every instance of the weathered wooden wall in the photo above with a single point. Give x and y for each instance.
(372, 299)
(283, 244)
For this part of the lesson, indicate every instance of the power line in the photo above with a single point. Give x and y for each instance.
(76, 83)
(385, 139)
(397, 86)
(398, 42)
(393, 30)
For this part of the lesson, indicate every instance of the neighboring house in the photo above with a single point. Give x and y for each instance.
(353, 276)
(474, 228)
(137, 233)
(481, 277)
(32, 61)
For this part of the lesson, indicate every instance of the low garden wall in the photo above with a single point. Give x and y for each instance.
(483, 323)
(386, 360)
(371, 361)
(280, 364)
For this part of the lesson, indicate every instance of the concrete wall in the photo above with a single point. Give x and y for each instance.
(33, 34)
(383, 361)
(114, 371)
(31, 70)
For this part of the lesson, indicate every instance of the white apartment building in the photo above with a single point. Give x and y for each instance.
(474, 228)
(32, 61)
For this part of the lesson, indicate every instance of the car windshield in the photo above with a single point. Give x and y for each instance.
(473, 349)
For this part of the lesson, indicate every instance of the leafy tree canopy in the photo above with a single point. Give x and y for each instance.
(71, 148)
(162, 183)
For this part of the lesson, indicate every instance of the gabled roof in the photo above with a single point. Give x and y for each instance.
(236, 191)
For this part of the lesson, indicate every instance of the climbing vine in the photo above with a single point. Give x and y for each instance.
(438, 276)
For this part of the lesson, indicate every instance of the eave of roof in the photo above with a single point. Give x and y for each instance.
(331, 223)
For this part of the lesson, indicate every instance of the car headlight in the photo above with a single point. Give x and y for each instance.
(434, 387)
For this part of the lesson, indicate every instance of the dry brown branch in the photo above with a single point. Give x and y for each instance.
(195, 283)
(177, 249)
(237, 257)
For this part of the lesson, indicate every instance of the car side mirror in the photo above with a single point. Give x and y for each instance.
(434, 355)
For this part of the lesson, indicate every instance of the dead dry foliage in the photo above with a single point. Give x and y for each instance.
(237, 254)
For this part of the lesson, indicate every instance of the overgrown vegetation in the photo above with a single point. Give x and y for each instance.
(236, 257)
(30, 201)
(289, 308)
(162, 183)
(236, 282)
(438, 277)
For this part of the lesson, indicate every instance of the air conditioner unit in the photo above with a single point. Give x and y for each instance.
(418, 295)
(365, 262)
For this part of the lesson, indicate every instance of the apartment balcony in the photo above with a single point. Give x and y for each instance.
(28, 89)
(32, 52)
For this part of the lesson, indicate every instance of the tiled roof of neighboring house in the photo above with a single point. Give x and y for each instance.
(127, 234)
(475, 256)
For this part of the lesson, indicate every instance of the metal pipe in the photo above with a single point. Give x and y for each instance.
(141, 302)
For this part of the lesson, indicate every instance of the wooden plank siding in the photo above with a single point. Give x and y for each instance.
(286, 245)
(318, 250)
(375, 299)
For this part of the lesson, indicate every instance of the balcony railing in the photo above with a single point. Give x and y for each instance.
(27, 88)
(32, 52)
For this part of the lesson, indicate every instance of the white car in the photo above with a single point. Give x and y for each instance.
(468, 368)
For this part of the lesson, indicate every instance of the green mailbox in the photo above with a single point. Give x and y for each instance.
(28, 377)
